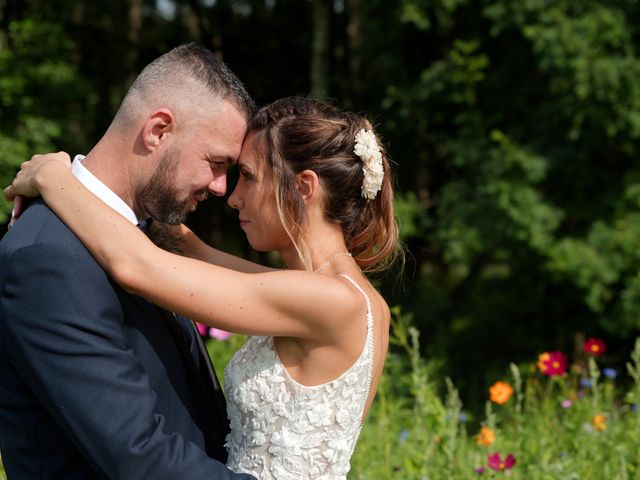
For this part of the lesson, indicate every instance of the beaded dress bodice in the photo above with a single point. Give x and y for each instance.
(283, 430)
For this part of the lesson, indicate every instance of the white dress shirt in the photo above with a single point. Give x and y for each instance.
(101, 191)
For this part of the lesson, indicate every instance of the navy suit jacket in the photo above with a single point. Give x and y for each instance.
(96, 382)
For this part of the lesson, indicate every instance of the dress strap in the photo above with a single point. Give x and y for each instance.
(366, 297)
(370, 349)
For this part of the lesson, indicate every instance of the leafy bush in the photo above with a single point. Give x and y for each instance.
(550, 420)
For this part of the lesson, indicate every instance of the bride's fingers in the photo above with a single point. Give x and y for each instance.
(18, 202)
(8, 194)
(23, 183)
(19, 186)
(17, 209)
(10, 191)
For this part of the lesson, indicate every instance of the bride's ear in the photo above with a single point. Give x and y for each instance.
(308, 184)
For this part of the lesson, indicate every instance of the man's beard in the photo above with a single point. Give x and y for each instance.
(159, 196)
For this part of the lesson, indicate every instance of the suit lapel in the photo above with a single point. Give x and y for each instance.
(203, 370)
(208, 373)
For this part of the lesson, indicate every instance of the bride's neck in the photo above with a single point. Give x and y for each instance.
(324, 240)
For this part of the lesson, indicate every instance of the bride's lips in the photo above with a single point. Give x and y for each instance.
(243, 222)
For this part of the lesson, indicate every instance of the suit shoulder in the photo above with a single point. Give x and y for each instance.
(40, 228)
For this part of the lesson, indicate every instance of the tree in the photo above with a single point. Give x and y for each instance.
(39, 86)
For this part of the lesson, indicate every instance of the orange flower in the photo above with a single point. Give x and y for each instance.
(485, 437)
(500, 393)
(543, 359)
(599, 422)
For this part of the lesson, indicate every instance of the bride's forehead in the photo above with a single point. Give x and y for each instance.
(253, 151)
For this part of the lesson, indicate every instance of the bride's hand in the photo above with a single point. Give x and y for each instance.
(39, 169)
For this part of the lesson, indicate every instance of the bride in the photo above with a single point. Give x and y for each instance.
(315, 186)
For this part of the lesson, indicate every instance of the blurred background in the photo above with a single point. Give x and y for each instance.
(514, 127)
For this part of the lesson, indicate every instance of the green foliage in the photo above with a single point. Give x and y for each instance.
(515, 127)
(222, 351)
(37, 80)
(554, 428)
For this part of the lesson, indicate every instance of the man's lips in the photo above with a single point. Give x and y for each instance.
(194, 200)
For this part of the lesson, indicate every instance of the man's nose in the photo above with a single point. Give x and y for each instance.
(218, 185)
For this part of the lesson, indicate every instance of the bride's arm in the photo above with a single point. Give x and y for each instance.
(279, 303)
(181, 240)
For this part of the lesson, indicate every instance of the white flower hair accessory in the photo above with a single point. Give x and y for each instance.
(368, 150)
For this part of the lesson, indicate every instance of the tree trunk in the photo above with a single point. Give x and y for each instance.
(319, 71)
(133, 36)
(354, 36)
(200, 26)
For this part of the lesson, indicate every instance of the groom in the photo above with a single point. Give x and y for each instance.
(96, 382)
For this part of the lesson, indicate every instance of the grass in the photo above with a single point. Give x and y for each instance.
(579, 425)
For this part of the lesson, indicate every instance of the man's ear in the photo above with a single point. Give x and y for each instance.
(158, 127)
(308, 184)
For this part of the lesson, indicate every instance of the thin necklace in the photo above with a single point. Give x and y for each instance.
(331, 259)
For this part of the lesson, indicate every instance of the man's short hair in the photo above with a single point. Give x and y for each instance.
(167, 74)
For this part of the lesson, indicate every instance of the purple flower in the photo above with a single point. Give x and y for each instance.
(586, 382)
(462, 418)
(479, 470)
(566, 403)
(610, 372)
(402, 437)
(498, 464)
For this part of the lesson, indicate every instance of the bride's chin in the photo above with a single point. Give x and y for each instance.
(261, 247)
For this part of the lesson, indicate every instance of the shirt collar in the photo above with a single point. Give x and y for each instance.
(101, 191)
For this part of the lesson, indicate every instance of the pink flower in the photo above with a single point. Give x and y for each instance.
(219, 334)
(594, 347)
(552, 363)
(213, 332)
(202, 328)
(499, 465)
(566, 403)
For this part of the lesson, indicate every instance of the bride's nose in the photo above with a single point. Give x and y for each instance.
(234, 200)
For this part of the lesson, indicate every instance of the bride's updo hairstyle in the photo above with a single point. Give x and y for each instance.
(298, 134)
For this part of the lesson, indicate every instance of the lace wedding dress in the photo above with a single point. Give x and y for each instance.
(283, 430)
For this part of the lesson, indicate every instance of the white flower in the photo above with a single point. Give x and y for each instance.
(258, 438)
(286, 468)
(320, 414)
(368, 150)
(280, 410)
(285, 443)
(343, 417)
(351, 378)
(339, 447)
